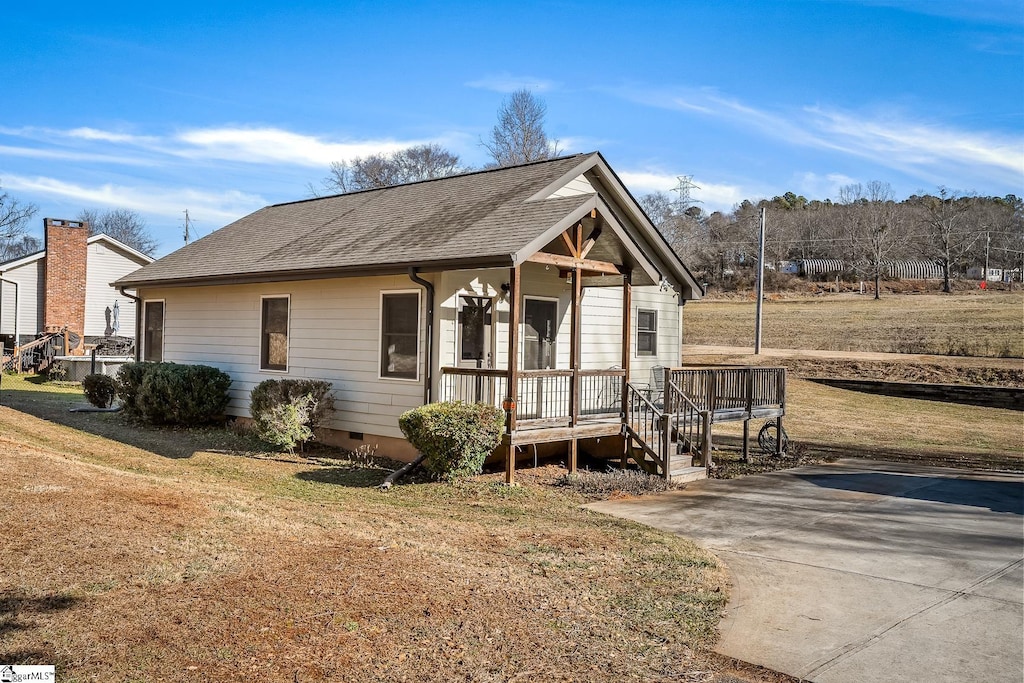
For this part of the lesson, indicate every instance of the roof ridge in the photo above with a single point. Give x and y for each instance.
(479, 171)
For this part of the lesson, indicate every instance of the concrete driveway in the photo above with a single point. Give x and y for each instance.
(862, 571)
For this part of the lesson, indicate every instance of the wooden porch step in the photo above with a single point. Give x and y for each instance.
(685, 474)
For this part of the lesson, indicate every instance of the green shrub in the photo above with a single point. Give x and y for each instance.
(456, 437)
(286, 411)
(167, 393)
(100, 390)
(285, 424)
(129, 381)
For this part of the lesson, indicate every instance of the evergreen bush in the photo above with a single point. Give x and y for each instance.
(129, 381)
(100, 390)
(167, 393)
(455, 437)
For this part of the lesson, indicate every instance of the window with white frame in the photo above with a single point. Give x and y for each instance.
(274, 333)
(399, 334)
(646, 332)
(153, 331)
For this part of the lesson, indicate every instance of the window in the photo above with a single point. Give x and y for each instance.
(153, 331)
(274, 333)
(646, 332)
(475, 331)
(399, 334)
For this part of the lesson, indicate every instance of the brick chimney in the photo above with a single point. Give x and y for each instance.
(66, 254)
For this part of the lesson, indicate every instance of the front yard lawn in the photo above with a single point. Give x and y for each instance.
(136, 553)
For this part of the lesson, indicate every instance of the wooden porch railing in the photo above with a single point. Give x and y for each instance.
(544, 396)
(662, 428)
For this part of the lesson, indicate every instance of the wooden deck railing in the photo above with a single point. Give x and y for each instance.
(732, 391)
(543, 396)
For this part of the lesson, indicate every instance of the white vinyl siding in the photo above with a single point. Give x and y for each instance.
(600, 316)
(105, 265)
(30, 300)
(333, 335)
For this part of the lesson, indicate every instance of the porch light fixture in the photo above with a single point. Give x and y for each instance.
(508, 405)
(505, 289)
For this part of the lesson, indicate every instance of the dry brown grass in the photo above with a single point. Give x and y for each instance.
(186, 557)
(977, 324)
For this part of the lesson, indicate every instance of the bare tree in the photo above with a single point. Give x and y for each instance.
(949, 233)
(421, 162)
(124, 225)
(875, 226)
(14, 238)
(519, 136)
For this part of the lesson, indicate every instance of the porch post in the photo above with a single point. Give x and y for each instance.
(627, 310)
(574, 347)
(515, 277)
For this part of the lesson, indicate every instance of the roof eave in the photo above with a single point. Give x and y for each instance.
(495, 261)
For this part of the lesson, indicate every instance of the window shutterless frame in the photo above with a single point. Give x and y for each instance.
(399, 335)
(275, 332)
(152, 341)
(646, 332)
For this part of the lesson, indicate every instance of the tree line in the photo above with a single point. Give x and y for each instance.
(865, 227)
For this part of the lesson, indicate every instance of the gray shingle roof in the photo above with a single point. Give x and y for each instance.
(482, 216)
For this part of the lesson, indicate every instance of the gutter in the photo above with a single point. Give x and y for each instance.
(17, 312)
(428, 374)
(138, 322)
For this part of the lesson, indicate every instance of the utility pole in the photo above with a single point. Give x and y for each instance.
(760, 284)
(988, 241)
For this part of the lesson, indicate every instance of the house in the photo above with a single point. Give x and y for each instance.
(68, 285)
(541, 288)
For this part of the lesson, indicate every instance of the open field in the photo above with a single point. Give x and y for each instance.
(184, 556)
(975, 324)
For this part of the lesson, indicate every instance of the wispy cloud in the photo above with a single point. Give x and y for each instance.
(921, 143)
(274, 145)
(110, 136)
(506, 83)
(72, 155)
(893, 139)
(255, 145)
(213, 206)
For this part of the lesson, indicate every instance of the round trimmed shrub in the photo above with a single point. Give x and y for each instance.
(455, 437)
(100, 390)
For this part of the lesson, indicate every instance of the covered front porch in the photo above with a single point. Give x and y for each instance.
(588, 282)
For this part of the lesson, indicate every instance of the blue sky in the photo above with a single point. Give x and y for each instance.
(223, 107)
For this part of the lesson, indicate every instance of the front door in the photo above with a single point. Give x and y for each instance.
(540, 323)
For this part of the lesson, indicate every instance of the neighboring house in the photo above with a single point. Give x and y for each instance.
(543, 283)
(68, 284)
(978, 273)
